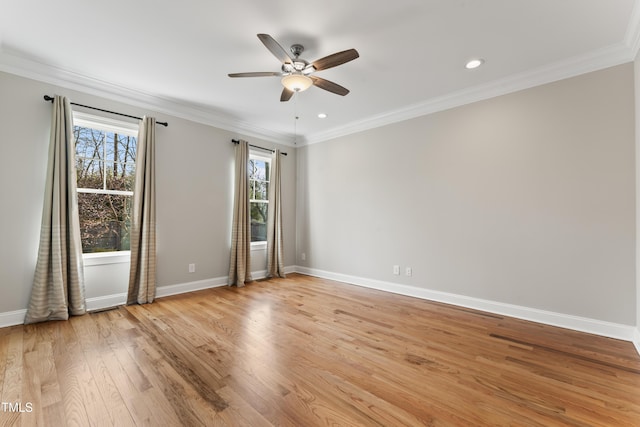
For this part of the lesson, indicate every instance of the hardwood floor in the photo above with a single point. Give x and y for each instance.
(303, 351)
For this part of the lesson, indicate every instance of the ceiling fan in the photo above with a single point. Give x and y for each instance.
(296, 72)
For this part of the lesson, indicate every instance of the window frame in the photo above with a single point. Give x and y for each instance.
(120, 127)
(257, 155)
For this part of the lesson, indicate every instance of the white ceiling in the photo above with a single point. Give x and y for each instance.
(174, 56)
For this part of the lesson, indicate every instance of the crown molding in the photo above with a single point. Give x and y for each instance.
(632, 37)
(571, 67)
(24, 67)
(604, 58)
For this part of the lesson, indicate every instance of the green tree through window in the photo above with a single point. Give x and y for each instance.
(105, 168)
(258, 194)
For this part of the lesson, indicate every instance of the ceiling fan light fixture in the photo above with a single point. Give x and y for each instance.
(297, 82)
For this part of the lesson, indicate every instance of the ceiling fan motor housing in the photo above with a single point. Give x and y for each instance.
(298, 65)
(297, 49)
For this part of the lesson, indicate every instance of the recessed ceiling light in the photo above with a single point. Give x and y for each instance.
(322, 115)
(474, 63)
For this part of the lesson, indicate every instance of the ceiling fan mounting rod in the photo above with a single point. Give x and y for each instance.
(297, 49)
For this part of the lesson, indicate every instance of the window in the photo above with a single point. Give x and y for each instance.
(259, 167)
(105, 170)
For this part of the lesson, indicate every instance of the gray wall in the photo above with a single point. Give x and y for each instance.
(637, 157)
(526, 199)
(194, 195)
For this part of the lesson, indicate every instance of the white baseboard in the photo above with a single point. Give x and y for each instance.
(108, 301)
(582, 324)
(181, 288)
(11, 318)
(165, 291)
(104, 302)
(592, 326)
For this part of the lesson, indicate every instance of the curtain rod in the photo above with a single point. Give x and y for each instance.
(49, 98)
(236, 141)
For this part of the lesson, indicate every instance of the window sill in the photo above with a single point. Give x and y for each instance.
(103, 258)
(258, 246)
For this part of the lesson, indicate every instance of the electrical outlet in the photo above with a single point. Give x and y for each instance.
(303, 256)
(408, 271)
(192, 268)
(396, 270)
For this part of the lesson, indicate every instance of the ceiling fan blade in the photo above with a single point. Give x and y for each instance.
(256, 74)
(286, 95)
(329, 86)
(335, 59)
(275, 48)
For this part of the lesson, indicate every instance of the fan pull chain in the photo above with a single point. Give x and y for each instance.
(295, 118)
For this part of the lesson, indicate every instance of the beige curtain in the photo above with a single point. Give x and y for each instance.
(240, 263)
(58, 283)
(142, 276)
(275, 250)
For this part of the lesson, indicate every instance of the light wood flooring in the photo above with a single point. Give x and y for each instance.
(305, 352)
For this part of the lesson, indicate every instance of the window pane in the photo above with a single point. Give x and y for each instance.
(111, 146)
(258, 221)
(258, 169)
(105, 222)
(129, 175)
(89, 142)
(89, 173)
(127, 149)
(260, 191)
(89, 153)
(252, 169)
(120, 148)
(252, 191)
(120, 176)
